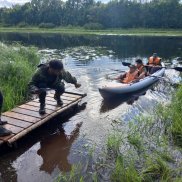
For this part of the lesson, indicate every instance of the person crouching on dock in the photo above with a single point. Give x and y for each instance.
(50, 75)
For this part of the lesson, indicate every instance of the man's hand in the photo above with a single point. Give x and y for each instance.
(77, 85)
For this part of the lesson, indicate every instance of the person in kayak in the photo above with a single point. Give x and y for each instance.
(142, 71)
(50, 75)
(154, 63)
(129, 76)
(3, 131)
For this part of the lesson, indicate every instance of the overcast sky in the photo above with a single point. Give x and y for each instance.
(9, 3)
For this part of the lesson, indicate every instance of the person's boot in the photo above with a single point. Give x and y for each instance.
(3, 122)
(4, 132)
(58, 99)
(42, 109)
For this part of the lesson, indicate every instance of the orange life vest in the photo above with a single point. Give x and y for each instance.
(130, 77)
(154, 61)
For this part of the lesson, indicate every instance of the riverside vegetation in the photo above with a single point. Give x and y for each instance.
(17, 64)
(147, 149)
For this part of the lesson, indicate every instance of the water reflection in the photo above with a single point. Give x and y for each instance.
(55, 150)
(112, 103)
(125, 46)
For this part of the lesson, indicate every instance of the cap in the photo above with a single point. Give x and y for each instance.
(56, 64)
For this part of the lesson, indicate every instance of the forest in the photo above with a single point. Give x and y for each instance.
(96, 15)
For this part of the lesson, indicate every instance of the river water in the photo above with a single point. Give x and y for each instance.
(65, 141)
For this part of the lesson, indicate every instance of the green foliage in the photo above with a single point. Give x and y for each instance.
(114, 142)
(157, 169)
(17, 64)
(114, 14)
(124, 173)
(73, 176)
(22, 24)
(135, 140)
(175, 111)
(93, 26)
(47, 25)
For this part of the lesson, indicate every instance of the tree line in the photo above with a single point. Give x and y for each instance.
(114, 14)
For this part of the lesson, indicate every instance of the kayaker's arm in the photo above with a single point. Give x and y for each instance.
(121, 77)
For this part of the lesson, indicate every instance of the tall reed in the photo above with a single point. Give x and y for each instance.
(17, 64)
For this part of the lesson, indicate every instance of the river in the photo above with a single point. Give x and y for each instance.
(65, 141)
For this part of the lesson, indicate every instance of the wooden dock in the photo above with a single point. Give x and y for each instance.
(25, 118)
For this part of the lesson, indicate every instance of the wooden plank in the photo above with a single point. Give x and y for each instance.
(1, 142)
(21, 117)
(63, 97)
(72, 95)
(64, 100)
(37, 104)
(16, 122)
(52, 102)
(29, 113)
(24, 132)
(6, 138)
(33, 108)
(14, 129)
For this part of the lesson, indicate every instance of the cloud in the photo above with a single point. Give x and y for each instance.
(9, 3)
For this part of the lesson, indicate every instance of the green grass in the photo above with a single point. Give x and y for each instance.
(157, 169)
(17, 64)
(80, 31)
(114, 142)
(176, 117)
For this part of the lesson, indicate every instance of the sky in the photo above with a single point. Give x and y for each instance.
(9, 3)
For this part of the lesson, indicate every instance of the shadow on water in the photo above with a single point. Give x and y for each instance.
(55, 150)
(112, 103)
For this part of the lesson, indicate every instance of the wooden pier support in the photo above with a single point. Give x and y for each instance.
(25, 118)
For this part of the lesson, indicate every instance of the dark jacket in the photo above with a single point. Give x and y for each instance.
(42, 77)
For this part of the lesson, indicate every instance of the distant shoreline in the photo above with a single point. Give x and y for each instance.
(82, 31)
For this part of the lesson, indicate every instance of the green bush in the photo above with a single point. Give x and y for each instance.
(47, 25)
(93, 26)
(17, 64)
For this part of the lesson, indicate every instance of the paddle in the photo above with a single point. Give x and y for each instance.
(175, 68)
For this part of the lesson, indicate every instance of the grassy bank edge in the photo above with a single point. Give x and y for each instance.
(149, 150)
(82, 31)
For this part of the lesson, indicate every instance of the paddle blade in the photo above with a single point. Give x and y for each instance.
(126, 64)
(178, 69)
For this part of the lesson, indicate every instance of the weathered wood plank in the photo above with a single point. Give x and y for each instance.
(25, 118)
(52, 102)
(1, 142)
(24, 132)
(29, 113)
(64, 100)
(72, 95)
(14, 129)
(16, 122)
(63, 97)
(6, 138)
(37, 104)
(34, 108)
(21, 117)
